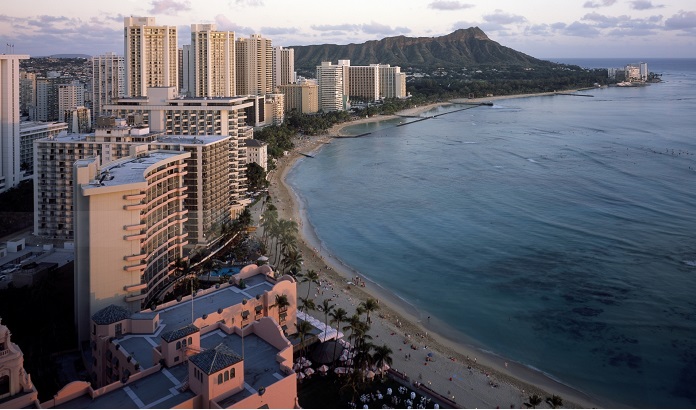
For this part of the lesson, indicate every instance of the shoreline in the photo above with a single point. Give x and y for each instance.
(475, 377)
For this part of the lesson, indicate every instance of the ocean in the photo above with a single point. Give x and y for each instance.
(558, 232)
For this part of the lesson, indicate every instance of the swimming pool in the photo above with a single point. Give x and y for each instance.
(227, 270)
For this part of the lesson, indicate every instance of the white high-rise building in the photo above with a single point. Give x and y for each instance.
(213, 61)
(108, 81)
(332, 81)
(150, 55)
(254, 61)
(283, 66)
(10, 161)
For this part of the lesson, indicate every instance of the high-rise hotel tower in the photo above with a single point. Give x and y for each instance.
(150, 55)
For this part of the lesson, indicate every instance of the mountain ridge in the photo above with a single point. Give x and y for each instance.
(469, 46)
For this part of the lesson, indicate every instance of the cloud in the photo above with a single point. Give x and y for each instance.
(598, 4)
(249, 3)
(225, 24)
(684, 20)
(578, 29)
(275, 31)
(502, 18)
(449, 5)
(645, 5)
(336, 27)
(372, 28)
(170, 7)
(377, 28)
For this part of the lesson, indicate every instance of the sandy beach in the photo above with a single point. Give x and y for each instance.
(471, 377)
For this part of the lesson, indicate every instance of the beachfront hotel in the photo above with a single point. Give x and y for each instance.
(31, 131)
(129, 229)
(10, 161)
(150, 55)
(332, 82)
(208, 200)
(224, 347)
(302, 97)
(164, 111)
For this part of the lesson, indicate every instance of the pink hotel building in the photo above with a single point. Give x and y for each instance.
(224, 347)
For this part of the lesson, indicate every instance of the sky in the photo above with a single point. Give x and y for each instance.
(540, 28)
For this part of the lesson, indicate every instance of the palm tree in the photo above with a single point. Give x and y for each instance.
(534, 400)
(555, 401)
(311, 277)
(211, 265)
(327, 308)
(181, 267)
(292, 260)
(306, 305)
(337, 316)
(370, 305)
(270, 220)
(353, 323)
(303, 329)
(282, 303)
(382, 356)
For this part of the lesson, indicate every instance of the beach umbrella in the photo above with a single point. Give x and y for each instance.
(323, 368)
(309, 371)
(340, 370)
(370, 374)
(300, 375)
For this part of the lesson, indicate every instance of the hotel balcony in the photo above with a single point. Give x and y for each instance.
(135, 258)
(133, 268)
(135, 288)
(134, 298)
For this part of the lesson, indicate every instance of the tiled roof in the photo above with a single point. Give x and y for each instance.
(111, 314)
(216, 359)
(254, 143)
(179, 333)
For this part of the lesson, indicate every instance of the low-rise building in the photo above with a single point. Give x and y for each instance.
(224, 347)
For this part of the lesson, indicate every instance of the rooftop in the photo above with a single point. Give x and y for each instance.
(214, 359)
(179, 316)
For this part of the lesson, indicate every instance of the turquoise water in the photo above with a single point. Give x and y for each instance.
(229, 270)
(555, 231)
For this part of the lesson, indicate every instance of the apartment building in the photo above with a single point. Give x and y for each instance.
(302, 97)
(31, 131)
(53, 172)
(213, 61)
(275, 108)
(150, 55)
(254, 62)
(27, 94)
(70, 96)
(283, 66)
(129, 224)
(108, 82)
(10, 152)
(47, 98)
(79, 119)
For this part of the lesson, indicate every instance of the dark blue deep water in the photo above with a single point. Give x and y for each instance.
(559, 232)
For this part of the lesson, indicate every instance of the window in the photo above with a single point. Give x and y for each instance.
(178, 345)
(227, 375)
(220, 378)
(190, 340)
